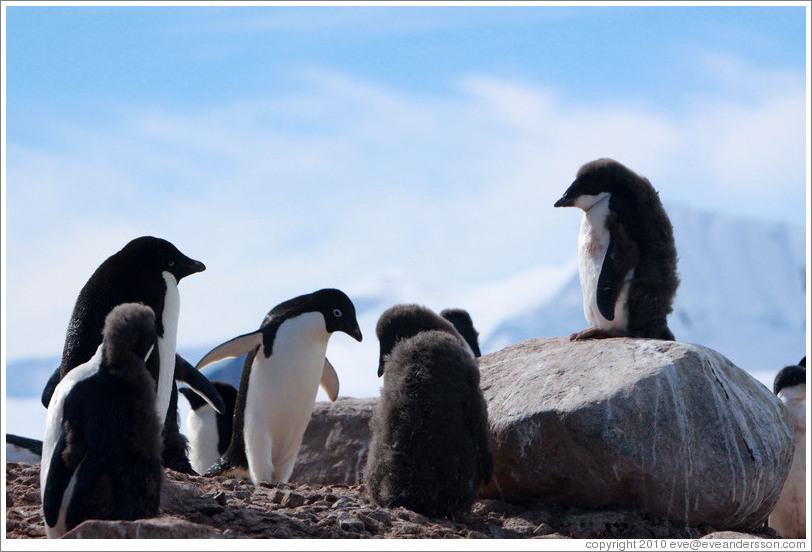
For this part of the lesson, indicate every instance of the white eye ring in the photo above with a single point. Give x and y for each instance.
(337, 313)
(171, 263)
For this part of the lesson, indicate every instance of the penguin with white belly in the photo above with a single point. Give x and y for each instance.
(626, 251)
(789, 515)
(101, 455)
(146, 270)
(209, 431)
(281, 375)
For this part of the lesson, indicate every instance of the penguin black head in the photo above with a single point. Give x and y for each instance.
(461, 320)
(160, 255)
(333, 304)
(597, 180)
(129, 334)
(404, 321)
(789, 376)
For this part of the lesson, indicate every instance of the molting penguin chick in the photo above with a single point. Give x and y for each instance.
(407, 320)
(789, 515)
(102, 448)
(209, 431)
(626, 251)
(430, 448)
(462, 321)
(146, 270)
(281, 375)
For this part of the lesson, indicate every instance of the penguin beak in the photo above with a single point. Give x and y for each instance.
(355, 333)
(196, 266)
(569, 197)
(189, 267)
(564, 202)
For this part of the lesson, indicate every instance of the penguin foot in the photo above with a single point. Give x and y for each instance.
(592, 333)
(178, 464)
(174, 455)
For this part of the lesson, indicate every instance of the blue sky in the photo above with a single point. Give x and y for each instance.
(76, 63)
(294, 148)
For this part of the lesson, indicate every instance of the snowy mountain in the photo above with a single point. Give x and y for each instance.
(742, 293)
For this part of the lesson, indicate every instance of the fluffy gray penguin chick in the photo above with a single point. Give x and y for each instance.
(430, 448)
(626, 253)
(102, 446)
(461, 319)
(407, 320)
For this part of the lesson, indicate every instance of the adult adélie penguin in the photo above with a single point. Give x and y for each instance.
(209, 432)
(626, 251)
(147, 271)
(284, 366)
(789, 515)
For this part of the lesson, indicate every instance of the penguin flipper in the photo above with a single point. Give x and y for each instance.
(50, 386)
(57, 481)
(608, 285)
(91, 495)
(329, 380)
(613, 274)
(232, 348)
(199, 383)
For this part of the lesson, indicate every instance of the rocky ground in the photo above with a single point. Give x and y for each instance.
(221, 507)
(528, 386)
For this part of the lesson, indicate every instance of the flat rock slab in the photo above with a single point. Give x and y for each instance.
(667, 428)
(160, 528)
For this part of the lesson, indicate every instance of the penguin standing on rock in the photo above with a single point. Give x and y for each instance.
(281, 375)
(789, 515)
(102, 448)
(430, 448)
(626, 251)
(146, 270)
(209, 431)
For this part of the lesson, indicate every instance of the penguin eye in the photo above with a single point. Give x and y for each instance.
(337, 313)
(171, 263)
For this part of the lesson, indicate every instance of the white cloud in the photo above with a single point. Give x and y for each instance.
(748, 81)
(346, 178)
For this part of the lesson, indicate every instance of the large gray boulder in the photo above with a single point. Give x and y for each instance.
(670, 429)
(335, 444)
